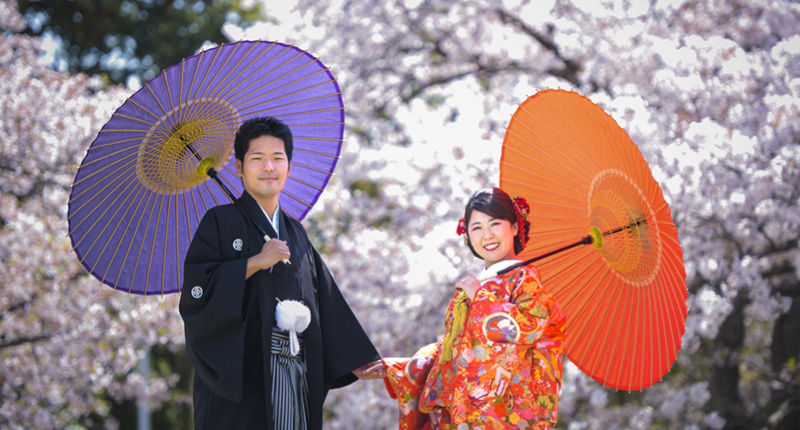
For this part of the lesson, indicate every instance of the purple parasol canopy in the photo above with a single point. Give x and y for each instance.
(142, 188)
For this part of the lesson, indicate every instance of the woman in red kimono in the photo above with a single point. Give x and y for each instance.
(499, 364)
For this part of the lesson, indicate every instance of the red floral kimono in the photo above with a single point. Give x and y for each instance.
(506, 367)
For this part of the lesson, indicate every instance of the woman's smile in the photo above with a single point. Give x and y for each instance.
(492, 238)
(492, 246)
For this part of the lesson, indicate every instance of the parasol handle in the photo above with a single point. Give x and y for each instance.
(267, 239)
(595, 238)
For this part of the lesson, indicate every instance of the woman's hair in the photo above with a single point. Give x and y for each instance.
(497, 204)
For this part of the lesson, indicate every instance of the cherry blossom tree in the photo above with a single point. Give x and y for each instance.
(69, 346)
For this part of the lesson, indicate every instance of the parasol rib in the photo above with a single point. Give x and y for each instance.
(158, 102)
(178, 239)
(90, 162)
(116, 142)
(235, 97)
(203, 80)
(244, 100)
(242, 97)
(622, 335)
(95, 208)
(224, 79)
(155, 235)
(316, 153)
(91, 228)
(305, 183)
(139, 196)
(262, 111)
(283, 115)
(130, 243)
(296, 198)
(615, 308)
(583, 320)
(312, 124)
(165, 252)
(235, 81)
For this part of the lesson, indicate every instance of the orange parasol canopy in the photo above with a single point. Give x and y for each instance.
(621, 280)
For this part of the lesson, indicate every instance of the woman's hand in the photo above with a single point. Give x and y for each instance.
(469, 285)
(373, 370)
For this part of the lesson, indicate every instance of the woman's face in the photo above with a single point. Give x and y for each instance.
(492, 238)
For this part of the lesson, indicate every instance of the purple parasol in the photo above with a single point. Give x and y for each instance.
(144, 185)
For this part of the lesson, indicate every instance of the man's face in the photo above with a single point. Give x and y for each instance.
(265, 167)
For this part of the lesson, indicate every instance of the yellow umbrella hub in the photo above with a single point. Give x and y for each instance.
(176, 154)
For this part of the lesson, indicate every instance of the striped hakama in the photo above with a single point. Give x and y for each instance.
(289, 384)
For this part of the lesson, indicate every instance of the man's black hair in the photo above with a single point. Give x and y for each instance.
(263, 126)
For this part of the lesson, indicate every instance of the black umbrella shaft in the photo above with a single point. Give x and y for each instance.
(214, 175)
(586, 240)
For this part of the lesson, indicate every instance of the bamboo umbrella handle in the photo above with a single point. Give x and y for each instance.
(267, 239)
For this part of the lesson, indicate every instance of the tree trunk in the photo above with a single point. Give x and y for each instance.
(724, 381)
(784, 406)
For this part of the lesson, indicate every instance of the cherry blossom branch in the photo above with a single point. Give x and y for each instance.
(24, 340)
(571, 68)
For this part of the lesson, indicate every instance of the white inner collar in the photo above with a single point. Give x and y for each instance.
(491, 271)
(274, 220)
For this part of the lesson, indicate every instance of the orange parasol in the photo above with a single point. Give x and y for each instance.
(607, 247)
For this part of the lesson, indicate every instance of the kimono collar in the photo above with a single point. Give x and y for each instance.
(274, 220)
(491, 272)
(258, 215)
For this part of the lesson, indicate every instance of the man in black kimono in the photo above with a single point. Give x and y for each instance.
(245, 376)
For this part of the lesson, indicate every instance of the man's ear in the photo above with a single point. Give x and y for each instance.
(239, 170)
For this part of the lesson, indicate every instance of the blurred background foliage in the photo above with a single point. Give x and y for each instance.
(132, 38)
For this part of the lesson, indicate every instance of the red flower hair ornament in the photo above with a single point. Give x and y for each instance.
(522, 209)
(462, 227)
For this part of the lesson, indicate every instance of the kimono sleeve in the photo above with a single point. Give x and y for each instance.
(212, 306)
(405, 379)
(345, 345)
(524, 317)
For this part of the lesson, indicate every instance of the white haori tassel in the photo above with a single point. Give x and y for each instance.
(294, 317)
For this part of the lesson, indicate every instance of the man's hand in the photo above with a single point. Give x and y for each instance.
(374, 370)
(272, 252)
